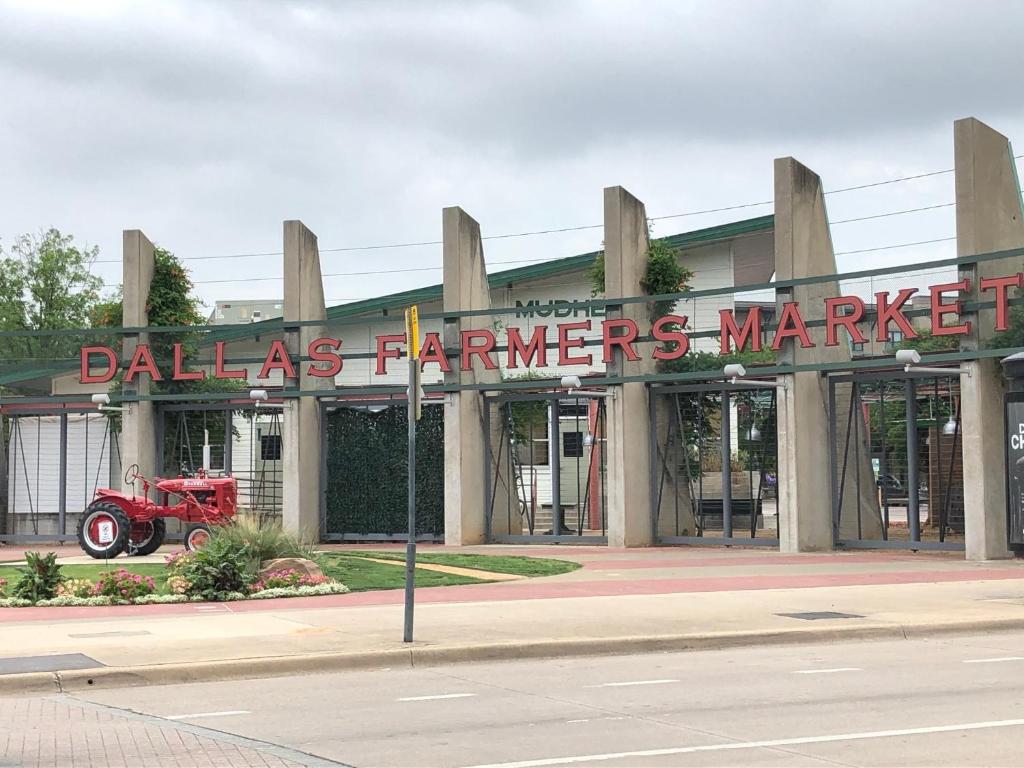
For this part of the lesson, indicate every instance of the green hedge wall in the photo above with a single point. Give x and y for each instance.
(366, 471)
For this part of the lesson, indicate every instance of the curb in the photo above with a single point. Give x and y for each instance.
(425, 655)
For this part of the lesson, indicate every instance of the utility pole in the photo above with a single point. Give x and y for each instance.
(412, 345)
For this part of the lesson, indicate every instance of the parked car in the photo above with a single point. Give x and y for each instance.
(891, 487)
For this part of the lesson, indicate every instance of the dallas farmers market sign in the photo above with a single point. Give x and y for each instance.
(671, 340)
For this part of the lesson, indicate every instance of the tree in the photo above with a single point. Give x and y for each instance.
(45, 284)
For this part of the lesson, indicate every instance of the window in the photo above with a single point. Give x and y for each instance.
(895, 337)
(572, 444)
(573, 408)
(270, 447)
(856, 346)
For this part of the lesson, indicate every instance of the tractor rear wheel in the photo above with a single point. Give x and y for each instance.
(145, 537)
(196, 536)
(103, 530)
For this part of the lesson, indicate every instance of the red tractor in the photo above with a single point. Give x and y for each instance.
(117, 522)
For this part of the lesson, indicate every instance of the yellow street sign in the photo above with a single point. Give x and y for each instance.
(412, 331)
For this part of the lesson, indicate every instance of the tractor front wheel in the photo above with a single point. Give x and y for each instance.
(196, 536)
(103, 530)
(145, 537)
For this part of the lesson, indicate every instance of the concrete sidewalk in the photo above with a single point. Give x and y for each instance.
(620, 601)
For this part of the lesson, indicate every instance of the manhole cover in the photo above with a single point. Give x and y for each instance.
(813, 615)
(12, 665)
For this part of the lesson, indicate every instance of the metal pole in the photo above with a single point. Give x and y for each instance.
(655, 485)
(726, 467)
(557, 524)
(62, 491)
(410, 546)
(229, 438)
(913, 503)
(883, 469)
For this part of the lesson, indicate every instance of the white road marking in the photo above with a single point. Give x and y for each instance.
(994, 660)
(826, 671)
(438, 696)
(632, 682)
(758, 744)
(194, 715)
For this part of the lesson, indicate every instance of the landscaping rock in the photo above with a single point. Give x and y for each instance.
(297, 564)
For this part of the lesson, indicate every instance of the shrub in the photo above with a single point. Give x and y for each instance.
(215, 570)
(76, 588)
(263, 542)
(39, 579)
(3, 587)
(287, 578)
(122, 585)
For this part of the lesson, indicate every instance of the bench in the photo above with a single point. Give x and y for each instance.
(710, 513)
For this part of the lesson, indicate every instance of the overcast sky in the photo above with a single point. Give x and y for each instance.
(208, 123)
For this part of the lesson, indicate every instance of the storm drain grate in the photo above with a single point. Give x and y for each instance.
(12, 665)
(813, 615)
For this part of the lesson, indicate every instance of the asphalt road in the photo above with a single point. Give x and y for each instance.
(949, 701)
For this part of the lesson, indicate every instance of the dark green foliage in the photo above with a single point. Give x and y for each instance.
(1012, 336)
(39, 578)
(925, 343)
(223, 565)
(664, 274)
(366, 471)
(709, 361)
(45, 284)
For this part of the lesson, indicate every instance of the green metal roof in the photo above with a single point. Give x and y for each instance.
(548, 268)
(505, 277)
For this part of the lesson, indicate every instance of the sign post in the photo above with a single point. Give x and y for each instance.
(412, 345)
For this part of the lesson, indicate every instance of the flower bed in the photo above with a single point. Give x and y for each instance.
(329, 588)
(222, 571)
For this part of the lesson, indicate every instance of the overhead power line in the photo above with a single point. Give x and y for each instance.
(530, 233)
(896, 245)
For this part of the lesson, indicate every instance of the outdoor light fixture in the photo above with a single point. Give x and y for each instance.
(909, 359)
(102, 402)
(571, 382)
(258, 396)
(950, 427)
(734, 372)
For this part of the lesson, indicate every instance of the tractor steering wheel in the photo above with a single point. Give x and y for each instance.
(132, 474)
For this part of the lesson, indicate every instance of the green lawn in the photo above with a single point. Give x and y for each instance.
(360, 574)
(520, 566)
(156, 570)
(353, 569)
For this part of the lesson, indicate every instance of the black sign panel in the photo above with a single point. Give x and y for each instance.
(1015, 465)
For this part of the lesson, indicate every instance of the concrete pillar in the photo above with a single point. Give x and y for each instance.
(803, 248)
(630, 522)
(988, 218)
(301, 438)
(138, 420)
(465, 466)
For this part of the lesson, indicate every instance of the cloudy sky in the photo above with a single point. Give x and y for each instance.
(207, 123)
